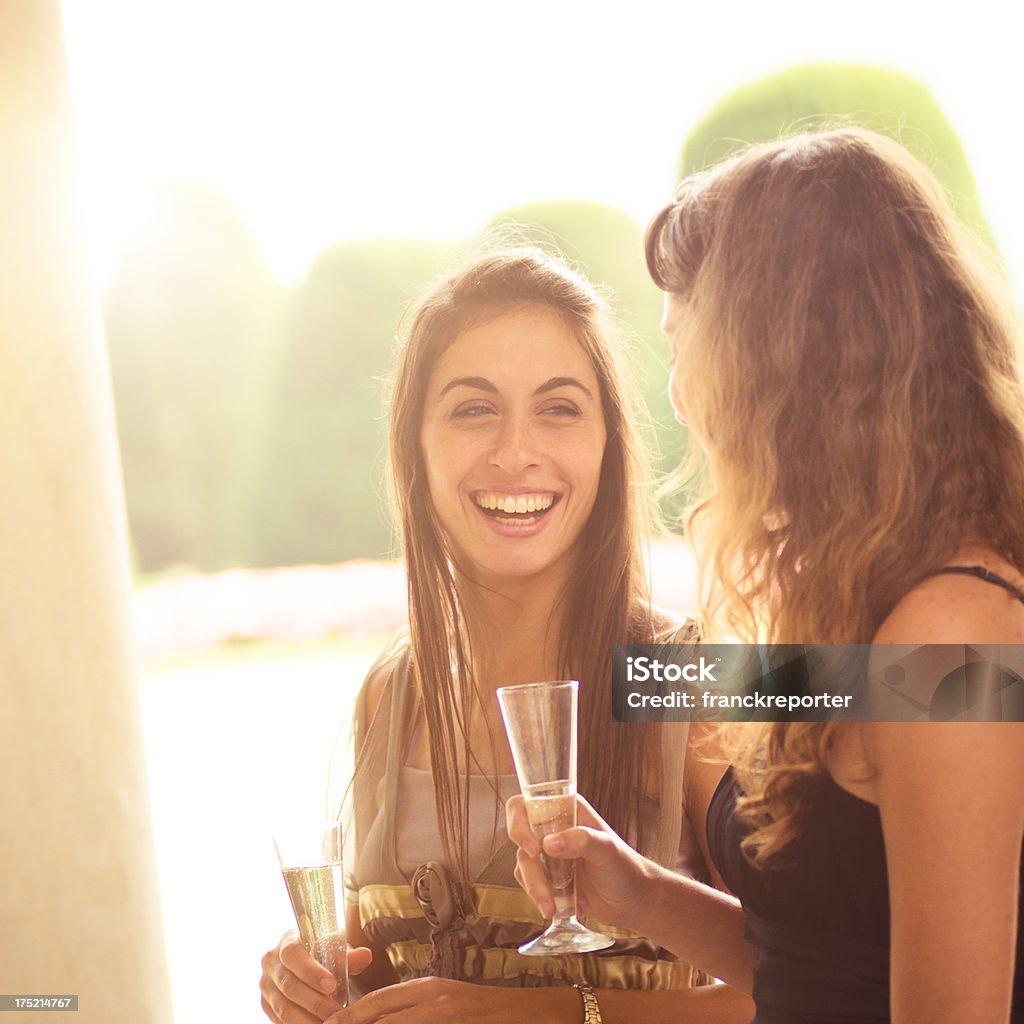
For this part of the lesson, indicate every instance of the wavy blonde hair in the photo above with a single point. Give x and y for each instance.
(851, 368)
(607, 600)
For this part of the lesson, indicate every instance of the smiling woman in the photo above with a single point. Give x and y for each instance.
(518, 485)
(513, 443)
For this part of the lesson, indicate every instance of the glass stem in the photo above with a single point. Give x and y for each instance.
(565, 905)
(564, 916)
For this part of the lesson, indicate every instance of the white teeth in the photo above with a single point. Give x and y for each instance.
(520, 505)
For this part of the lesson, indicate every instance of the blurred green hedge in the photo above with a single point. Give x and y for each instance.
(317, 486)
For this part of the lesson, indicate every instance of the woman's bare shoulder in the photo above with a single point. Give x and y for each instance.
(377, 678)
(956, 608)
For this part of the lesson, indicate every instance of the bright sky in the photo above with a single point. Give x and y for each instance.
(325, 121)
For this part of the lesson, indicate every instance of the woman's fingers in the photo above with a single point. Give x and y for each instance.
(529, 872)
(611, 877)
(359, 958)
(575, 843)
(295, 956)
(383, 1003)
(294, 987)
(533, 879)
(281, 1010)
(572, 843)
(606, 876)
(291, 1014)
(518, 826)
(425, 1001)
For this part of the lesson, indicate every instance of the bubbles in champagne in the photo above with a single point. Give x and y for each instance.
(318, 899)
(551, 807)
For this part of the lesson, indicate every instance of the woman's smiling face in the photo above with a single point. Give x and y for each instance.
(513, 437)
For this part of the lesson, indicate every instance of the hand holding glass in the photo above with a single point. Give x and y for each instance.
(540, 719)
(312, 869)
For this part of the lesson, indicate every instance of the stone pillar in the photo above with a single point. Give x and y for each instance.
(79, 905)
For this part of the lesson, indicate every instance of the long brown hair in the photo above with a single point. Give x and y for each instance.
(853, 375)
(606, 601)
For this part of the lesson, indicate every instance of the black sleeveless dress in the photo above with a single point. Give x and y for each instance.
(819, 927)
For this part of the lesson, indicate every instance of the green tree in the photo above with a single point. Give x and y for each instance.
(812, 96)
(318, 494)
(187, 321)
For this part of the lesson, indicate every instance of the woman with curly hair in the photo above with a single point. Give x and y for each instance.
(844, 357)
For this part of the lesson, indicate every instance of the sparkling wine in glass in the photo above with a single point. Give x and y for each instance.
(312, 869)
(540, 720)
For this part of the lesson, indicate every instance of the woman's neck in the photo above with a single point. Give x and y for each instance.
(515, 630)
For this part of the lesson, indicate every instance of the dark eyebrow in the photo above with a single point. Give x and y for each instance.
(480, 383)
(563, 382)
(483, 384)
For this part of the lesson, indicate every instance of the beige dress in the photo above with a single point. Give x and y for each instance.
(412, 906)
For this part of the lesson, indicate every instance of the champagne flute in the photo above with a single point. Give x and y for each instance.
(311, 864)
(540, 719)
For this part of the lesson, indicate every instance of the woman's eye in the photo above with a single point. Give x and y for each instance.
(560, 409)
(472, 410)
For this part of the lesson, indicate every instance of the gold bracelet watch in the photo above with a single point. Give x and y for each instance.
(591, 1010)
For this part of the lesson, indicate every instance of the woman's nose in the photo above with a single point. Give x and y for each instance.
(515, 446)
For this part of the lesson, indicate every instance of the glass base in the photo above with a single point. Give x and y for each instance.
(569, 936)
